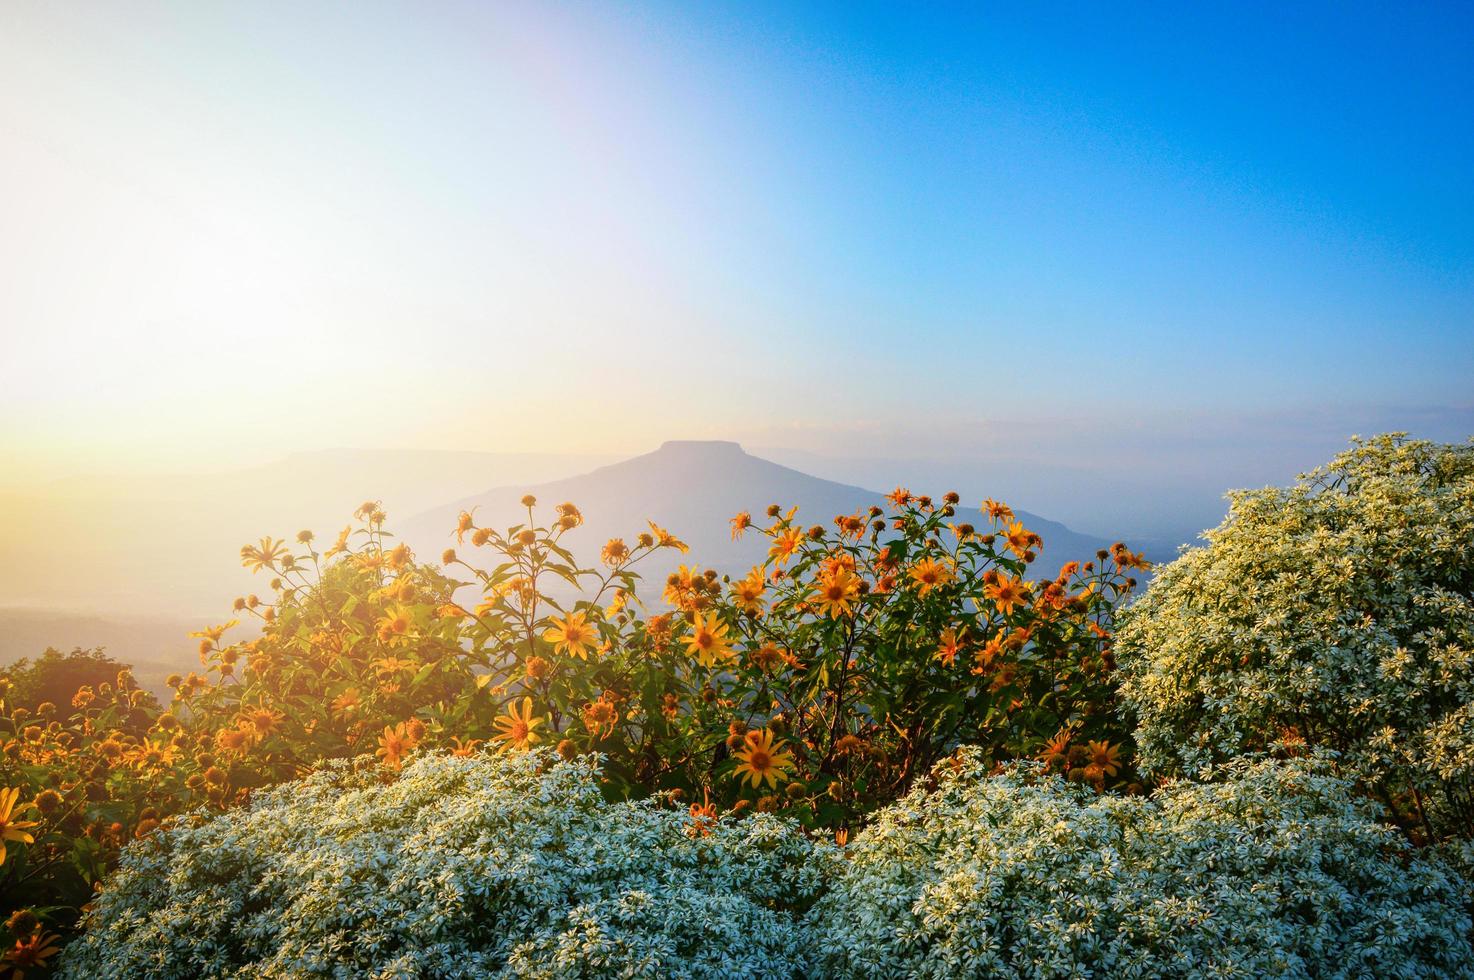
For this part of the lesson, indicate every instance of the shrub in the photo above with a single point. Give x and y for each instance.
(1275, 870)
(1337, 614)
(460, 867)
(818, 687)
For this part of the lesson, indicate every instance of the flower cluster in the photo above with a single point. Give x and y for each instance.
(509, 865)
(1271, 869)
(1334, 615)
(818, 686)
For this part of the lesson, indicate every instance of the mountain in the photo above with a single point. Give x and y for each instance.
(156, 646)
(692, 489)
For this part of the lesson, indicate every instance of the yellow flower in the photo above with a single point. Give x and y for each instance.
(264, 720)
(213, 633)
(997, 511)
(347, 702)
(600, 717)
(264, 555)
(786, 545)
(466, 749)
(1006, 593)
(574, 635)
(517, 729)
(615, 552)
(1056, 754)
(1105, 759)
(32, 951)
(836, 593)
(708, 640)
(740, 523)
(665, 539)
(1018, 539)
(948, 645)
(393, 626)
(396, 743)
(930, 573)
(747, 593)
(759, 760)
(10, 829)
(340, 545)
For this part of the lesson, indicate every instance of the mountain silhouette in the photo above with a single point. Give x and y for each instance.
(692, 489)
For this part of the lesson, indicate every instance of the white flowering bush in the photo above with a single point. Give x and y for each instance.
(507, 866)
(1275, 870)
(1337, 614)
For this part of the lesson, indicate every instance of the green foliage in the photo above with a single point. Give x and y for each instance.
(1337, 614)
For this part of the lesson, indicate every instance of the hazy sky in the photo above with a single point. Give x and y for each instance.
(228, 230)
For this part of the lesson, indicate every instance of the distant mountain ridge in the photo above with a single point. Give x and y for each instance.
(693, 488)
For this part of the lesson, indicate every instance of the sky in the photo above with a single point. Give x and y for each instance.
(1157, 234)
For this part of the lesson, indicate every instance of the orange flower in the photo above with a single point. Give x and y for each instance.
(786, 545)
(1018, 538)
(747, 593)
(10, 828)
(740, 523)
(263, 720)
(708, 640)
(930, 573)
(32, 951)
(986, 654)
(464, 749)
(1056, 753)
(264, 555)
(759, 760)
(615, 552)
(600, 717)
(703, 816)
(664, 539)
(573, 635)
(347, 702)
(899, 497)
(1105, 760)
(836, 593)
(948, 646)
(517, 729)
(997, 511)
(396, 743)
(1006, 593)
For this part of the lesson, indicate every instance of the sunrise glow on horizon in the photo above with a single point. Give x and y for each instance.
(518, 229)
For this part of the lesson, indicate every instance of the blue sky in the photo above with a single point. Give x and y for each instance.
(1054, 234)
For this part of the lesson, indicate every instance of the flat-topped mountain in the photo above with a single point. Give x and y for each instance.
(693, 488)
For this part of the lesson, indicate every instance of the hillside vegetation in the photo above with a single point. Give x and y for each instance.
(933, 747)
